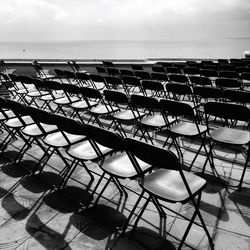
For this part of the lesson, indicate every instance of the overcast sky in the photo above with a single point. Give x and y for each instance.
(123, 19)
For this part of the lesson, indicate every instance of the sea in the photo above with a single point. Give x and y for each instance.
(204, 48)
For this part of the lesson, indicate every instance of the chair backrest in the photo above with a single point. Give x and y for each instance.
(144, 102)
(114, 81)
(101, 70)
(173, 70)
(91, 93)
(69, 125)
(229, 74)
(200, 80)
(228, 66)
(224, 83)
(158, 69)
(177, 78)
(26, 79)
(116, 97)
(113, 71)
(83, 76)
(176, 108)
(70, 74)
(14, 78)
(96, 78)
(52, 85)
(227, 111)
(178, 89)
(159, 77)
(18, 109)
(245, 76)
(59, 73)
(136, 67)
(242, 69)
(238, 96)
(143, 75)
(222, 61)
(108, 64)
(40, 115)
(152, 85)
(126, 72)
(131, 81)
(152, 155)
(191, 71)
(69, 88)
(209, 72)
(166, 64)
(105, 137)
(208, 92)
(3, 103)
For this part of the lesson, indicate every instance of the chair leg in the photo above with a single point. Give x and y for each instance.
(244, 169)
(102, 191)
(119, 186)
(197, 205)
(124, 228)
(139, 216)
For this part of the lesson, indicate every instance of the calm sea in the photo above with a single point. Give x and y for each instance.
(201, 48)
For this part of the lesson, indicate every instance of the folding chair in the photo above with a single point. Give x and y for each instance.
(152, 118)
(142, 75)
(163, 78)
(169, 183)
(5, 114)
(180, 92)
(36, 94)
(42, 126)
(210, 73)
(132, 85)
(228, 134)
(6, 86)
(83, 79)
(60, 74)
(23, 85)
(136, 67)
(125, 115)
(82, 105)
(15, 126)
(41, 73)
(237, 96)
(185, 126)
(84, 151)
(126, 72)
(153, 88)
(108, 64)
(101, 71)
(173, 70)
(66, 135)
(113, 72)
(71, 77)
(227, 83)
(178, 78)
(113, 83)
(70, 96)
(55, 92)
(102, 109)
(97, 81)
(158, 69)
(200, 81)
(118, 164)
(191, 71)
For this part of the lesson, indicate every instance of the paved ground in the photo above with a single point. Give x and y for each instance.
(34, 215)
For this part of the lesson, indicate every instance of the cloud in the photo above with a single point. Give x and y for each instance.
(30, 12)
(83, 19)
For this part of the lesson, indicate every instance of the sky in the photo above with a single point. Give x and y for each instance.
(31, 20)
